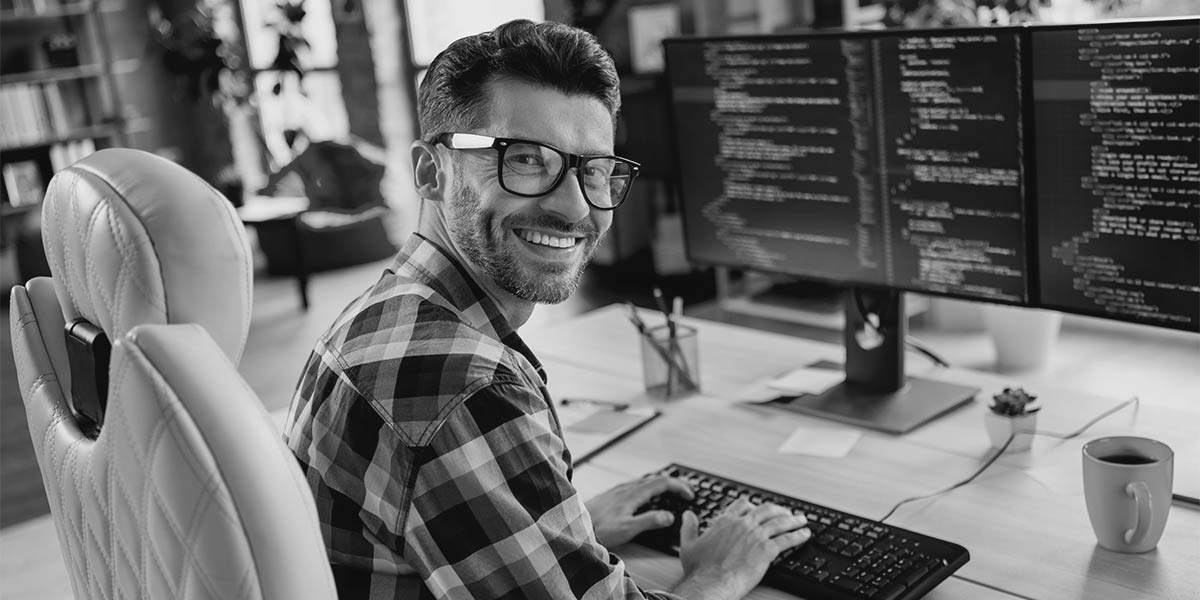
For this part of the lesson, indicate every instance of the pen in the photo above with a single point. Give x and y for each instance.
(662, 307)
(672, 366)
(609, 404)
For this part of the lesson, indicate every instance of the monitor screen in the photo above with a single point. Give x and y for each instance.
(1039, 166)
(855, 157)
(1117, 146)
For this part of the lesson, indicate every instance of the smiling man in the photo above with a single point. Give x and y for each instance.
(422, 420)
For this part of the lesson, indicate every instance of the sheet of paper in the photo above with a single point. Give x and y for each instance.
(806, 381)
(823, 442)
(589, 428)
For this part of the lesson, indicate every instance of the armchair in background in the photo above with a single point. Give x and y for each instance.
(344, 223)
(165, 476)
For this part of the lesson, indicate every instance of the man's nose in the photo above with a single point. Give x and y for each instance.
(567, 200)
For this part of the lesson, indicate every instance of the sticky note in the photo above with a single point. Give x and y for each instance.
(823, 442)
(806, 381)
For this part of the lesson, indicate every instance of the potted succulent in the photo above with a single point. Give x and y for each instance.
(1011, 414)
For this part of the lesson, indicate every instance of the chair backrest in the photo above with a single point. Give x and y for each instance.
(186, 490)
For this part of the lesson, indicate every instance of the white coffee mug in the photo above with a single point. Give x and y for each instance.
(1127, 487)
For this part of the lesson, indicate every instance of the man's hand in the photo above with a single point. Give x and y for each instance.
(732, 555)
(612, 511)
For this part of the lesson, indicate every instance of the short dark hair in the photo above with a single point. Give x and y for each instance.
(551, 54)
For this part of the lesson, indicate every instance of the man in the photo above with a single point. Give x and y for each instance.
(422, 420)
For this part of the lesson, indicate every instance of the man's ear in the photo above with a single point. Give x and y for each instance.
(431, 178)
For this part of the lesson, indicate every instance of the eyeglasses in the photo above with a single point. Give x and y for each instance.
(531, 169)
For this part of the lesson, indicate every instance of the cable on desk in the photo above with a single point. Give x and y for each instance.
(1062, 436)
(920, 346)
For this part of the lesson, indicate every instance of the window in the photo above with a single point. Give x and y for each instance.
(433, 24)
(313, 106)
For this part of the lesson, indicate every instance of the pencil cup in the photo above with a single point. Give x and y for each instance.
(670, 365)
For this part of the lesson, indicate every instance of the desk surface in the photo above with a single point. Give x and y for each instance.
(1024, 520)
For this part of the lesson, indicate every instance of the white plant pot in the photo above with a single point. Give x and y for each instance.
(1023, 337)
(999, 427)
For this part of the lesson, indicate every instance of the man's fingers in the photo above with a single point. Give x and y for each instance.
(689, 530)
(681, 487)
(791, 539)
(739, 507)
(783, 523)
(653, 519)
(648, 488)
(766, 511)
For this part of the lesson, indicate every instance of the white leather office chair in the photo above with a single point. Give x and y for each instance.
(185, 490)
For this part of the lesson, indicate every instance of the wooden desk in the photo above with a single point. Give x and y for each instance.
(1024, 520)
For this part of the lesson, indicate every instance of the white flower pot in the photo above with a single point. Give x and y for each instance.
(999, 427)
(1023, 337)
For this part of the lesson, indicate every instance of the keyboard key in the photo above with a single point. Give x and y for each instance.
(849, 585)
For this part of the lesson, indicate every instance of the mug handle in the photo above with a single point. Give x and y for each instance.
(1145, 512)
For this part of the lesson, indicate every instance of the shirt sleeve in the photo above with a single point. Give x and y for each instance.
(494, 515)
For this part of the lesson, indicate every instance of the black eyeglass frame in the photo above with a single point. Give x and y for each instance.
(570, 161)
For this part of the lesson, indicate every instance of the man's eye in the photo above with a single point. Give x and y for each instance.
(597, 170)
(527, 159)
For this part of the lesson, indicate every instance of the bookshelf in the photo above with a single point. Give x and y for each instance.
(56, 84)
(58, 102)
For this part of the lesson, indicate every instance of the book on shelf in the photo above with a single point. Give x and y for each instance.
(67, 105)
(8, 124)
(32, 112)
(65, 154)
(35, 7)
(23, 182)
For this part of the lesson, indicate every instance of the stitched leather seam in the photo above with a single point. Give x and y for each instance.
(149, 240)
(161, 391)
(71, 204)
(73, 457)
(150, 495)
(115, 480)
(54, 489)
(89, 271)
(121, 423)
(129, 249)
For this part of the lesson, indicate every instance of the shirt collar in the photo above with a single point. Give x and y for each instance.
(423, 260)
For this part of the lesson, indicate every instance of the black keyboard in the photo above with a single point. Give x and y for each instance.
(848, 557)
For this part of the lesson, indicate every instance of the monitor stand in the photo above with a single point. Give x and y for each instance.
(876, 394)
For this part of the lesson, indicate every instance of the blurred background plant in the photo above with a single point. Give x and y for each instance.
(202, 48)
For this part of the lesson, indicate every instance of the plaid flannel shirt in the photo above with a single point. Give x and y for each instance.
(424, 427)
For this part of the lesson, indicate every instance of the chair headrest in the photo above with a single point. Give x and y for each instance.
(133, 238)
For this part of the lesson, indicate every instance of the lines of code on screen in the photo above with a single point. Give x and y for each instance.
(893, 160)
(1117, 115)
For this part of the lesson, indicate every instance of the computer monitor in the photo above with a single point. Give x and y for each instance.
(1117, 145)
(902, 160)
